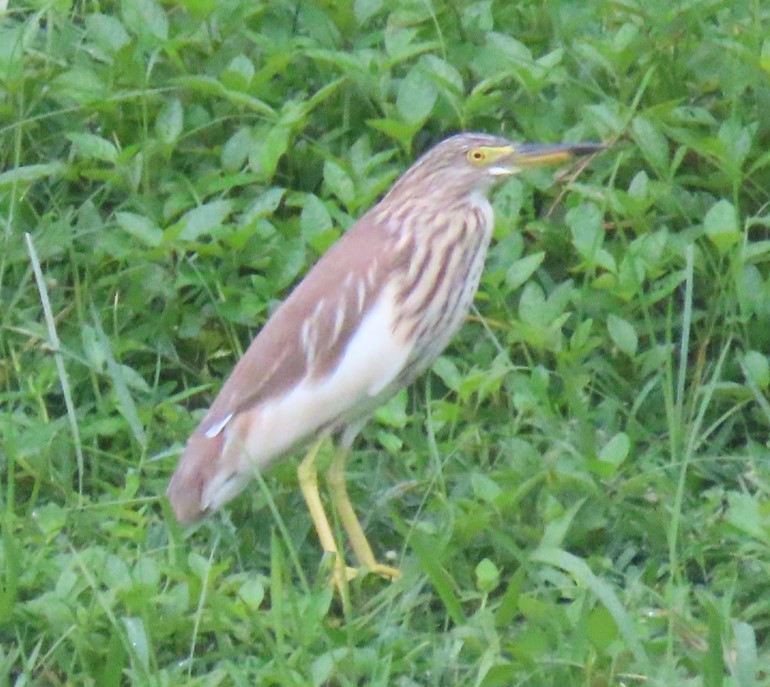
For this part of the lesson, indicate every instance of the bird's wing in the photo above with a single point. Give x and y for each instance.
(308, 333)
(303, 341)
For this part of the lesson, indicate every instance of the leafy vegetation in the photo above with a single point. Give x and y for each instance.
(579, 494)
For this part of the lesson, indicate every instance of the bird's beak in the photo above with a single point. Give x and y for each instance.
(526, 155)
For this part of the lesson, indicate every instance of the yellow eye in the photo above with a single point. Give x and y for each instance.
(477, 155)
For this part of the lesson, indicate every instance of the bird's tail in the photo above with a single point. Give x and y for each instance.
(196, 468)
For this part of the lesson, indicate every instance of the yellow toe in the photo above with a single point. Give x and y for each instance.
(386, 571)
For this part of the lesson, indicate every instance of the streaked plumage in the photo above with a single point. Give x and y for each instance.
(372, 314)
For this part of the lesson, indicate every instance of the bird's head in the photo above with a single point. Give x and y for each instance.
(470, 163)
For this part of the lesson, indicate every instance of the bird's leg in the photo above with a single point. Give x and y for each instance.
(307, 476)
(338, 491)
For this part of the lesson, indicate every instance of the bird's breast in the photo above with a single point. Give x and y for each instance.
(438, 288)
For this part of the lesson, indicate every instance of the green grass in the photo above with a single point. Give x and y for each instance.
(578, 494)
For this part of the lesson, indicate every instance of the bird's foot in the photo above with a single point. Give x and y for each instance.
(343, 574)
(386, 571)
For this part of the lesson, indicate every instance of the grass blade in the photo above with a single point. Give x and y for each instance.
(579, 569)
(55, 344)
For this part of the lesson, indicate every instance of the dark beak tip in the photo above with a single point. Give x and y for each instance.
(588, 148)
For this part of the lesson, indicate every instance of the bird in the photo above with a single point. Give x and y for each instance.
(368, 318)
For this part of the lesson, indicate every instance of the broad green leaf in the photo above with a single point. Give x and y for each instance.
(254, 217)
(80, 86)
(601, 628)
(721, 225)
(90, 146)
(764, 56)
(366, 9)
(638, 188)
(756, 250)
(31, 173)
(507, 203)
(115, 573)
(345, 61)
(237, 149)
(756, 368)
(607, 120)
(210, 87)
(50, 518)
(315, 218)
(487, 576)
(321, 669)
(170, 121)
(737, 141)
(652, 143)
(585, 223)
(205, 219)
(140, 227)
(447, 371)
(401, 45)
(445, 75)
(239, 73)
(397, 130)
(509, 47)
(107, 32)
(416, 96)
(485, 488)
(137, 639)
(272, 149)
(145, 573)
(522, 269)
(252, 592)
(743, 513)
(390, 441)
(623, 334)
(92, 348)
(746, 654)
(478, 16)
(558, 521)
(15, 38)
(393, 413)
(532, 308)
(581, 337)
(133, 379)
(145, 18)
(508, 607)
(615, 451)
(265, 204)
(339, 182)
(287, 262)
(550, 60)
(200, 8)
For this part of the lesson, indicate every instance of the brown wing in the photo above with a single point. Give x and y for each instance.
(306, 336)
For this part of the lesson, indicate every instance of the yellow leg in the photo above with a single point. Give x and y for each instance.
(338, 492)
(307, 475)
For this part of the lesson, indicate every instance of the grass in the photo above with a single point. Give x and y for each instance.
(577, 494)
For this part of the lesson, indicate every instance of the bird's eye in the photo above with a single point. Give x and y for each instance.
(476, 155)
